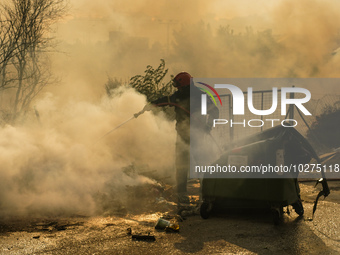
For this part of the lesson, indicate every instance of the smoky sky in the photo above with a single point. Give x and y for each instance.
(273, 39)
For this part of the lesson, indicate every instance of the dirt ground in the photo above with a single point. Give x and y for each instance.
(225, 233)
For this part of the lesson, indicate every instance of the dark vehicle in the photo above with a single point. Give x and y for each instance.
(275, 146)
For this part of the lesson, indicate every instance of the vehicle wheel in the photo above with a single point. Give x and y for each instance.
(205, 210)
(277, 214)
(298, 208)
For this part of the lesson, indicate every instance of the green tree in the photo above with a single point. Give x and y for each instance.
(151, 84)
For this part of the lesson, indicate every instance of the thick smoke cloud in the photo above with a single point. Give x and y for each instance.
(58, 166)
(309, 31)
(207, 39)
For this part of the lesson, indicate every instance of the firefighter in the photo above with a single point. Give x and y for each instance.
(181, 101)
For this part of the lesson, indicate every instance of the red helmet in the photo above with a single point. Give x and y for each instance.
(182, 79)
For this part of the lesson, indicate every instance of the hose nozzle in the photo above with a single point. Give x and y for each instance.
(138, 113)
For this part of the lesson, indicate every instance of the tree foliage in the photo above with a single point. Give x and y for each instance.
(151, 84)
(24, 41)
(111, 85)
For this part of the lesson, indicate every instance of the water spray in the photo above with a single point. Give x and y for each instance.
(146, 109)
(122, 124)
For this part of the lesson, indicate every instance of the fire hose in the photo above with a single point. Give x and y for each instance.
(136, 115)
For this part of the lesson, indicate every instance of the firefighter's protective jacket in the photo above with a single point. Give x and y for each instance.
(183, 108)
